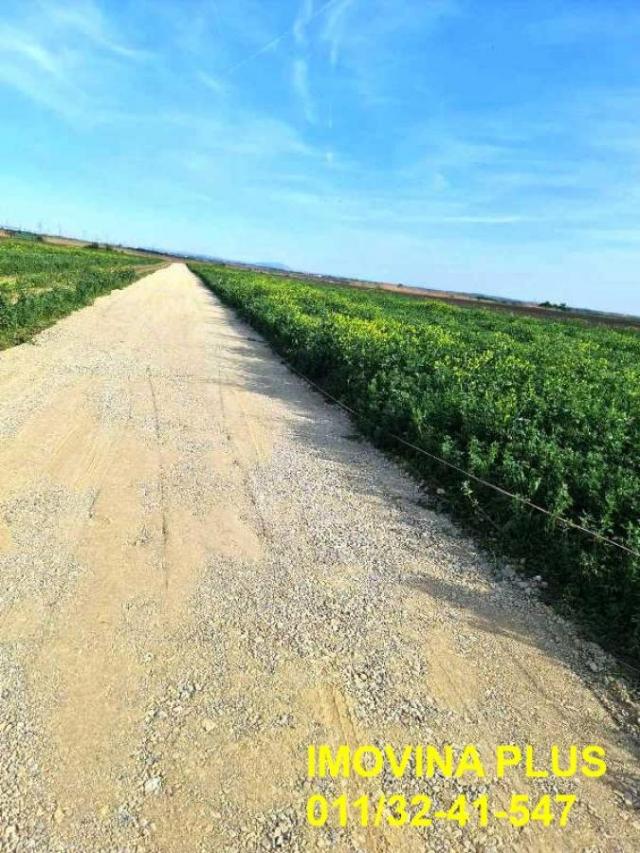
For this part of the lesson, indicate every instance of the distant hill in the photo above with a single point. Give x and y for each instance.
(271, 265)
(548, 310)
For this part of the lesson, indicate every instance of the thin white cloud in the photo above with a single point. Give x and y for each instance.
(62, 100)
(213, 83)
(371, 39)
(300, 80)
(295, 30)
(59, 54)
(85, 18)
(245, 137)
(40, 72)
(304, 18)
(263, 137)
(300, 65)
(266, 48)
(335, 28)
(25, 47)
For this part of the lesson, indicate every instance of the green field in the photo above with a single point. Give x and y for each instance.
(39, 282)
(547, 410)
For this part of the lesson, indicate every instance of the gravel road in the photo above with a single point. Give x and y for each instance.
(204, 571)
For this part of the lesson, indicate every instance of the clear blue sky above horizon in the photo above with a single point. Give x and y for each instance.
(478, 146)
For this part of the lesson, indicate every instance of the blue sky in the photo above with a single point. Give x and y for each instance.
(486, 146)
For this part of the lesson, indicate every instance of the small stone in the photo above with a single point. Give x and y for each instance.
(153, 785)
(11, 833)
(208, 725)
(58, 815)
(124, 816)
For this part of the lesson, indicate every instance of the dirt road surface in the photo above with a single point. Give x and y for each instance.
(203, 571)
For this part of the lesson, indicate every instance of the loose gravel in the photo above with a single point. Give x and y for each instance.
(204, 572)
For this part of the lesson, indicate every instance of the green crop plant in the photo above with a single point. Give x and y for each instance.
(548, 410)
(40, 283)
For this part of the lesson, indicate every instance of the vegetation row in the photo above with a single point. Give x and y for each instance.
(40, 283)
(547, 410)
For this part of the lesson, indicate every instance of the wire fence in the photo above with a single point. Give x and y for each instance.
(558, 519)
